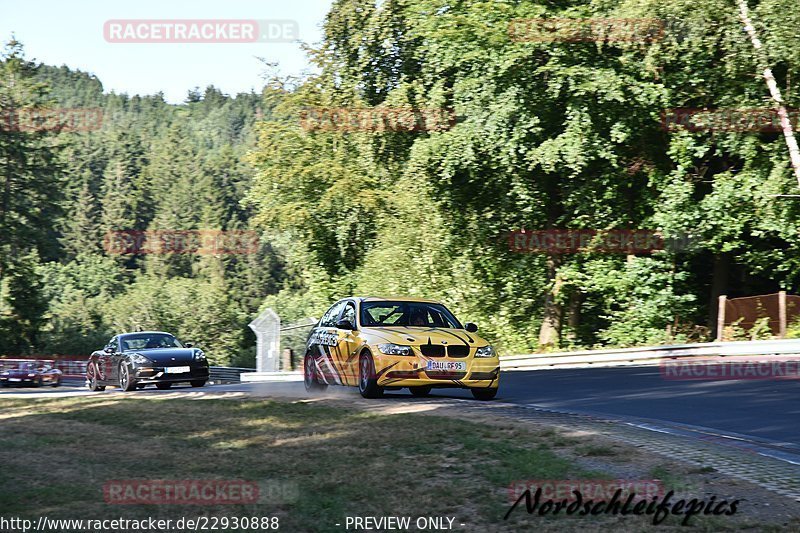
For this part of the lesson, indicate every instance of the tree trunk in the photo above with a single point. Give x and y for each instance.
(573, 315)
(719, 286)
(550, 331)
(774, 91)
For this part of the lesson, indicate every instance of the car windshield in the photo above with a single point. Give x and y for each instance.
(149, 341)
(27, 366)
(420, 314)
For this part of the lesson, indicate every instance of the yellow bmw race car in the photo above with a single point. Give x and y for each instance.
(378, 343)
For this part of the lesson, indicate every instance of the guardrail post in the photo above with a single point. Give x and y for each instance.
(782, 314)
(721, 316)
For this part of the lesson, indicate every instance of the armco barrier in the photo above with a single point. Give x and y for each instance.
(228, 374)
(648, 355)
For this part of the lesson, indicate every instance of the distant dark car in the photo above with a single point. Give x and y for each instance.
(135, 360)
(31, 374)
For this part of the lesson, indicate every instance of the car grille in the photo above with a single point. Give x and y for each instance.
(432, 374)
(432, 350)
(458, 351)
(403, 374)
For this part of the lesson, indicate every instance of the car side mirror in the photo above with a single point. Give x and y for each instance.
(345, 324)
(471, 327)
(188, 344)
(108, 349)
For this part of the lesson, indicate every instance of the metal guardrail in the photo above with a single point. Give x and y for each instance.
(227, 374)
(648, 355)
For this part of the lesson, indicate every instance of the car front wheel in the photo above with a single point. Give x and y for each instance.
(310, 375)
(164, 386)
(198, 382)
(91, 379)
(126, 381)
(367, 379)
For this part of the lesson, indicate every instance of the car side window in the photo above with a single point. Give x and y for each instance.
(113, 344)
(349, 313)
(329, 318)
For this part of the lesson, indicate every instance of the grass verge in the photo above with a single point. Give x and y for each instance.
(334, 462)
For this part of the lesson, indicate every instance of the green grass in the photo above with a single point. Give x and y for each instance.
(56, 456)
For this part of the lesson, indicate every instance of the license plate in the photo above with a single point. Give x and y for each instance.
(14, 379)
(447, 366)
(177, 370)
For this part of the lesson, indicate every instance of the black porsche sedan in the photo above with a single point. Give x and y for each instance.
(135, 360)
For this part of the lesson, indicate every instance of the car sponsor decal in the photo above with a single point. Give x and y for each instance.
(380, 374)
(329, 368)
(324, 338)
(457, 337)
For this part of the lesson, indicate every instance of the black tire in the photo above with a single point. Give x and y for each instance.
(126, 381)
(484, 395)
(140, 385)
(420, 392)
(367, 380)
(164, 385)
(57, 382)
(91, 379)
(38, 382)
(198, 382)
(310, 375)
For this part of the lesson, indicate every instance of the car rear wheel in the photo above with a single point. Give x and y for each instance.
(310, 375)
(91, 379)
(484, 394)
(57, 382)
(126, 381)
(164, 386)
(38, 382)
(367, 380)
(198, 382)
(420, 392)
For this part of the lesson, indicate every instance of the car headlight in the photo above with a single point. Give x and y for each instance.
(394, 349)
(4, 374)
(139, 359)
(485, 351)
(199, 355)
(31, 375)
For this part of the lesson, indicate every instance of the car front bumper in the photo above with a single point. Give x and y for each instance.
(18, 381)
(411, 371)
(147, 375)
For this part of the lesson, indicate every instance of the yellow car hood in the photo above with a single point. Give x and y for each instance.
(415, 336)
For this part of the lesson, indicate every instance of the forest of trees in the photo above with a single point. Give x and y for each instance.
(549, 135)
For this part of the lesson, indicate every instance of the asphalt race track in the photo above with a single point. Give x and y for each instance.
(767, 410)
